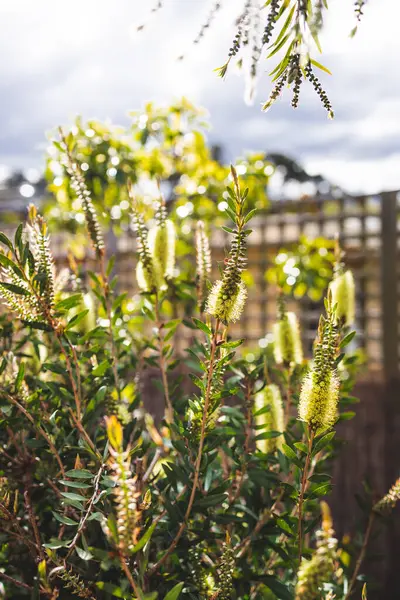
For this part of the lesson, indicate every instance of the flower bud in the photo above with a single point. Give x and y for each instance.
(342, 288)
(287, 342)
(226, 304)
(272, 420)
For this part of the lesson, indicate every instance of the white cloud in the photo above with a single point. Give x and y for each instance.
(80, 56)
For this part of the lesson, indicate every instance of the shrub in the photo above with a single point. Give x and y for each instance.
(219, 498)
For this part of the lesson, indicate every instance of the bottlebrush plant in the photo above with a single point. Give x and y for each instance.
(222, 497)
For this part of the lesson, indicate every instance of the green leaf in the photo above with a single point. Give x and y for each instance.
(268, 435)
(250, 215)
(301, 446)
(64, 519)
(55, 544)
(101, 369)
(321, 490)
(18, 235)
(285, 25)
(175, 592)
(144, 539)
(282, 524)
(75, 484)
(289, 452)
(346, 416)
(200, 325)
(15, 289)
(83, 554)
(76, 319)
(74, 497)
(347, 339)
(6, 262)
(4, 240)
(319, 66)
(20, 377)
(279, 589)
(277, 47)
(69, 303)
(323, 442)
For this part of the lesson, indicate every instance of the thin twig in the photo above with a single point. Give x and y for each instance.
(249, 392)
(96, 484)
(114, 353)
(245, 543)
(129, 575)
(361, 555)
(38, 428)
(207, 396)
(153, 463)
(84, 434)
(32, 520)
(15, 581)
(304, 478)
(169, 413)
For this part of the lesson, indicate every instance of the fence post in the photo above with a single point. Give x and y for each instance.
(390, 338)
(391, 388)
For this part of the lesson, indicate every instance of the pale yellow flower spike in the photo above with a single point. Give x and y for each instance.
(287, 341)
(227, 308)
(314, 573)
(342, 288)
(272, 420)
(318, 400)
(319, 394)
(162, 247)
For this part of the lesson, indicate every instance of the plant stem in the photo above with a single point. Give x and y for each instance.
(15, 581)
(169, 411)
(129, 575)
(85, 435)
(38, 428)
(183, 525)
(246, 448)
(82, 523)
(32, 520)
(106, 292)
(245, 543)
(361, 555)
(311, 435)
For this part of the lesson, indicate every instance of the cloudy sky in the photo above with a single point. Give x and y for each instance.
(61, 58)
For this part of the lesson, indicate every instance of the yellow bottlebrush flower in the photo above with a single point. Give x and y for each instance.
(149, 277)
(314, 573)
(225, 305)
(343, 295)
(126, 493)
(319, 394)
(228, 295)
(161, 242)
(149, 273)
(203, 263)
(318, 400)
(272, 420)
(287, 342)
(388, 502)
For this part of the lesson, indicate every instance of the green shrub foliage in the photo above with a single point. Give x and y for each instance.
(215, 495)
